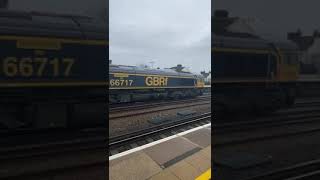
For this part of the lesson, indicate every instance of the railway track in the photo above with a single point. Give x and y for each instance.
(306, 170)
(295, 123)
(285, 119)
(157, 108)
(139, 106)
(118, 144)
(50, 145)
(265, 137)
(304, 104)
(52, 155)
(282, 120)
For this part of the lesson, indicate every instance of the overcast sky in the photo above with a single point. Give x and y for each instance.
(167, 32)
(276, 17)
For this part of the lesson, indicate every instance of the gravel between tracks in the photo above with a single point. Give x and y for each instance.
(134, 123)
(159, 108)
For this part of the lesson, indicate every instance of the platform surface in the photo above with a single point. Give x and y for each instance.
(186, 156)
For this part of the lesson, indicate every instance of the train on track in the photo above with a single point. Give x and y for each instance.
(52, 70)
(251, 73)
(131, 83)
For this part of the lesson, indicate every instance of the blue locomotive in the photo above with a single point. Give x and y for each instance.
(52, 69)
(251, 73)
(131, 83)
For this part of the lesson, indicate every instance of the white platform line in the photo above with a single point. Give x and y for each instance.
(156, 142)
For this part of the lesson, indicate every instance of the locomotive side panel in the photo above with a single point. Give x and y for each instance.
(61, 64)
(42, 49)
(244, 77)
(52, 69)
(243, 65)
(129, 83)
(141, 81)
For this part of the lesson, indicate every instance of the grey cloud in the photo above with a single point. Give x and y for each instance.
(168, 32)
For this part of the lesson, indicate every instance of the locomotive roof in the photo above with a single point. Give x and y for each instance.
(139, 70)
(239, 42)
(287, 45)
(51, 25)
(254, 43)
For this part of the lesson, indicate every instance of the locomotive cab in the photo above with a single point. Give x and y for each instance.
(200, 82)
(52, 66)
(288, 70)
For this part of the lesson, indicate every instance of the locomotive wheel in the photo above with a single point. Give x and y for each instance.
(175, 96)
(178, 96)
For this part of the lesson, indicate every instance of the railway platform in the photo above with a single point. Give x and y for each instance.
(186, 155)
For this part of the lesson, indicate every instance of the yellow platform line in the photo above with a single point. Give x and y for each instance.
(205, 176)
